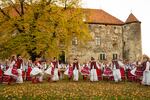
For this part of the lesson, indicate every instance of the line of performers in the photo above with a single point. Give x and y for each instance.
(16, 70)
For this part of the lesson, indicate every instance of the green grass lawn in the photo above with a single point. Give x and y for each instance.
(82, 90)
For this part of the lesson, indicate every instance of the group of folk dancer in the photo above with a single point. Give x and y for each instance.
(16, 70)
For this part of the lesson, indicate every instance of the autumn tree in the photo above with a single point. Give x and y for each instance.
(35, 28)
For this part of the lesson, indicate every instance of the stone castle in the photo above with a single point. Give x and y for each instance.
(111, 38)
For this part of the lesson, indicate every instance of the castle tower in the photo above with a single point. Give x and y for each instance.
(132, 48)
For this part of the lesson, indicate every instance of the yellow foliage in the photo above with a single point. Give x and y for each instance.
(41, 28)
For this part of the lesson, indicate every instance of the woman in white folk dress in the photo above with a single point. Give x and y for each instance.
(146, 73)
(36, 73)
(29, 69)
(116, 70)
(54, 70)
(107, 73)
(76, 67)
(133, 69)
(61, 70)
(130, 70)
(11, 71)
(48, 72)
(69, 71)
(85, 71)
(19, 66)
(19, 78)
(93, 73)
(39, 64)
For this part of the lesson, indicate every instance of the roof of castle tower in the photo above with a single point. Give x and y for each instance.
(131, 19)
(100, 16)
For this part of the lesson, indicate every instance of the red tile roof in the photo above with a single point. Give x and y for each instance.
(95, 16)
(11, 11)
(101, 17)
(131, 19)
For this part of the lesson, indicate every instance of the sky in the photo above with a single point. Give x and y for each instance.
(121, 9)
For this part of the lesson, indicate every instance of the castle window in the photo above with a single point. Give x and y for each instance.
(74, 41)
(124, 26)
(115, 56)
(90, 26)
(100, 26)
(114, 27)
(102, 56)
(97, 40)
(114, 45)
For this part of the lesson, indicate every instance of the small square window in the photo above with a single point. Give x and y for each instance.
(102, 56)
(90, 26)
(100, 26)
(115, 56)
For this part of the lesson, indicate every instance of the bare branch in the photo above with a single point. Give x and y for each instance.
(48, 2)
(22, 7)
(2, 11)
(65, 4)
(13, 5)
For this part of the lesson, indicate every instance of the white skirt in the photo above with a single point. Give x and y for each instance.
(117, 75)
(36, 71)
(9, 72)
(55, 77)
(48, 71)
(93, 75)
(19, 77)
(75, 74)
(146, 78)
(133, 71)
(40, 78)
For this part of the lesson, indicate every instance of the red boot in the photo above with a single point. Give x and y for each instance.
(34, 80)
(9, 80)
(49, 79)
(84, 77)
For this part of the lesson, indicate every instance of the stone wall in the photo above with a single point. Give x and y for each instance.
(110, 43)
(132, 41)
(124, 40)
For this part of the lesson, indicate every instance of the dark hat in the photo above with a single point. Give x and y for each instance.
(145, 57)
(75, 58)
(92, 58)
(54, 58)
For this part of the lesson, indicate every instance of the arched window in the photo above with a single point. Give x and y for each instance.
(62, 57)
